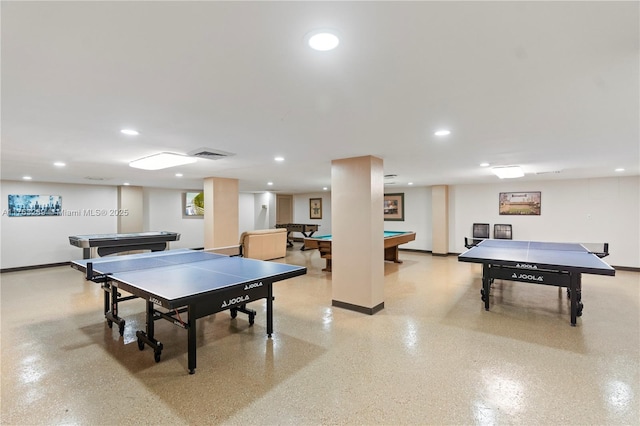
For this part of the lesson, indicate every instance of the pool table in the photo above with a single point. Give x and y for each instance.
(392, 239)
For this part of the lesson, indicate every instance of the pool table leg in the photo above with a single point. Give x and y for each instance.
(391, 254)
(328, 265)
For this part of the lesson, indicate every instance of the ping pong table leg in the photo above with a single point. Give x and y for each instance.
(148, 336)
(107, 297)
(150, 321)
(111, 296)
(191, 345)
(269, 309)
(243, 308)
(486, 284)
(579, 295)
(573, 285)
(112, 316)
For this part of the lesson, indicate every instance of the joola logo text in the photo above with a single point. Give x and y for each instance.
(235, 300)
(253, 285)
(526, 266)
(154, 300)
(527, 277)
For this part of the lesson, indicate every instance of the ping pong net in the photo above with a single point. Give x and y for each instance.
(148, 261)
(599, 249)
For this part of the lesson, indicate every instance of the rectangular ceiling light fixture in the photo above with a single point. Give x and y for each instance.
(508, 172)
(163, 160)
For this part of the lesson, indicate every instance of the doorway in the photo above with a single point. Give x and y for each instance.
(284, 208)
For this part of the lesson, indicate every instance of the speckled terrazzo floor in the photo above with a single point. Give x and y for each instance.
(432, 356)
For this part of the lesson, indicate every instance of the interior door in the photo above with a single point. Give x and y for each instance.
(284, 208)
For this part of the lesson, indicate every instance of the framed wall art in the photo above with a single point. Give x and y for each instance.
(35, 205)
(394, 207)
(193, 204)
(520, 203)
(315, 208)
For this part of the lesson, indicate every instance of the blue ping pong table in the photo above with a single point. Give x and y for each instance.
(556, 264)
(196, 282)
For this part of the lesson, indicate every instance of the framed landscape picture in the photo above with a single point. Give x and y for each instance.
(193, 205)
(520, 203)
(315, 208)
(394, 206)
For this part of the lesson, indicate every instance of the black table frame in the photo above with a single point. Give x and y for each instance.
(570, 279)
(554, 275)
(233, 298)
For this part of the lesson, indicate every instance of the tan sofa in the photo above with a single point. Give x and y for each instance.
(264, 244)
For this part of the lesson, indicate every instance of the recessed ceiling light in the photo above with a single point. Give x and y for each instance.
(162, 161)
(269, 183)
(130, 132)
(324, 188)
(322, 40)
(178, 174)
(59, 164)
(619, 169)
(484, 164)
(126, 184)
(26, 177)
(410, 183)
(442, 133)
(508, 172)
(279, 158)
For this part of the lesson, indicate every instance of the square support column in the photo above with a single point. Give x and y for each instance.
(221, 220)
(440, 217)
(130, 198)
(357, 229)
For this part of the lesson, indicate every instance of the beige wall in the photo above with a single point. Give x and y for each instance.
(220, 212)
(357, 193)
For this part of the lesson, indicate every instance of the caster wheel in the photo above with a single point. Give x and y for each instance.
(483, 298)
(121, 329)
(110, 323)
(140, 344)
(569, 293)
(251, 319)
(580, 306)
(234, 313)
(156, 356)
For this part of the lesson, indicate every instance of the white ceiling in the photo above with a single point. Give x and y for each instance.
(550, 86)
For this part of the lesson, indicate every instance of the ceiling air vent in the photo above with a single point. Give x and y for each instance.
(550, 172)
(210, 154)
